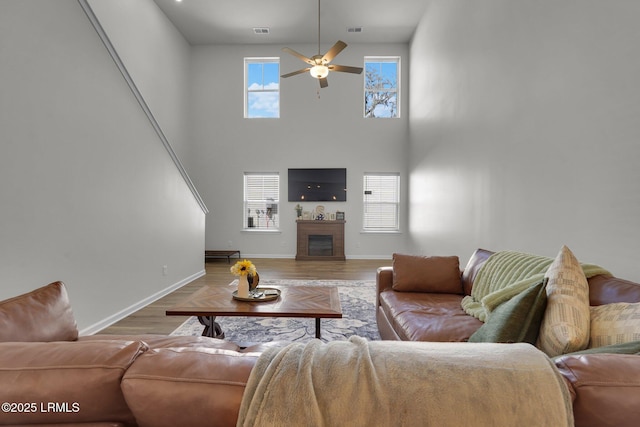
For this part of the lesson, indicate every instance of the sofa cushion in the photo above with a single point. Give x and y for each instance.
(43, 314)
(606, 388)
(475, 263)
(437, 274)
(517, 320)
(427, 317)
(604, 289)
(83, 377)
(614, 324)
(565, 325)
(187, 386)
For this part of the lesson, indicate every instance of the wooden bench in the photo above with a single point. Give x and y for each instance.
(221, 254)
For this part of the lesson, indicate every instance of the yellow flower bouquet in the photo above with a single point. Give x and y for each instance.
(243, 268)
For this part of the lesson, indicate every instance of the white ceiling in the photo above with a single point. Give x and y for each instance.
(294, 21)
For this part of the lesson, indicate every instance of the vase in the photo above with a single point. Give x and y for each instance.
(243, 287)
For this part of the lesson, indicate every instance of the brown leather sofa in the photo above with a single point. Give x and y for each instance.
(605, 387)
(50, 376)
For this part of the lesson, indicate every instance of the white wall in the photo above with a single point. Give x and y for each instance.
(156, 56)
(311, 132)
(89, 194)
(524, 129)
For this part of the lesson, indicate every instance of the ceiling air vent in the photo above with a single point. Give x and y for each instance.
(261, 30)
(354, 29)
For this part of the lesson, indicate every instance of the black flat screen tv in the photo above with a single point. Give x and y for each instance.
(318, 185)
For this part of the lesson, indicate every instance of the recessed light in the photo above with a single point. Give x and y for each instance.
(261, 30)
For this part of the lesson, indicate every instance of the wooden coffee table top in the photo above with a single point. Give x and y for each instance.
(294, 301)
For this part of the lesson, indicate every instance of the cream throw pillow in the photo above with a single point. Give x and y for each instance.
(566, 322)
(616, 323)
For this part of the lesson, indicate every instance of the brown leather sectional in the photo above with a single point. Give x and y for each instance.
(50, 376)
(605, 387)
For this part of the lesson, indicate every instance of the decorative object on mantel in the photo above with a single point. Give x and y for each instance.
(243, 269)
(298, 209)
(340, 216)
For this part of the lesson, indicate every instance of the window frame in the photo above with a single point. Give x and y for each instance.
(259, 60)
(389, 228)
(383, 59)
(261, 224)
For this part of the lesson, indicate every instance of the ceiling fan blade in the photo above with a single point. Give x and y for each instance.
(345, 69)
(334, 51)
(294, 73)
(323, 82)
(299, 55)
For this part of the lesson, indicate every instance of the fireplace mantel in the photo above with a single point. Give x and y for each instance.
(311, 232)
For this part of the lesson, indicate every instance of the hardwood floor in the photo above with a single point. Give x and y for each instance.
(152, 319)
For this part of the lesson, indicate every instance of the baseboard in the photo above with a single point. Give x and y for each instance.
(371, 257)
(274, 256)
(97, 327)
(292, 256)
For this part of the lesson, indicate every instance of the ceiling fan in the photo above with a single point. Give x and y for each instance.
(320, 65)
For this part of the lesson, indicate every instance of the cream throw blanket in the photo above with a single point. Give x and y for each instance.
(506, 274)
(390, 383)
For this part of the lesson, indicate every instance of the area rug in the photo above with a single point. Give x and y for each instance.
(357, 299)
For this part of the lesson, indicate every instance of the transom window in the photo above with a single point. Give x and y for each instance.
(262, 88)
(261, 201)
(382, 87)
(381, 202)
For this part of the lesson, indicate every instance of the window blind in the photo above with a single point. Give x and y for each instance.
(261, 200)
(381, 202)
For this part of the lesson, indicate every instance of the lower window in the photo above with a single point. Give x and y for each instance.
(381, 202)
(261, 201)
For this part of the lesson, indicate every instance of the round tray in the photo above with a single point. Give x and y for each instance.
(266, 294)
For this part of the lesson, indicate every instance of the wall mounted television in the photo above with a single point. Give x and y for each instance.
(318, 185)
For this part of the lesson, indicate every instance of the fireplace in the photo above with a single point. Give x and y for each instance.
(320, 245)
(320, 240)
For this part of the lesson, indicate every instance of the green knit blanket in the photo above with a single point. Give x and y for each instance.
(504, 275)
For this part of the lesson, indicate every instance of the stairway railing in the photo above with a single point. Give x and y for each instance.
(129, 80)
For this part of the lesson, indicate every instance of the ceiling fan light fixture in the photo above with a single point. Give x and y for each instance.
(320, 64)
(319, 71)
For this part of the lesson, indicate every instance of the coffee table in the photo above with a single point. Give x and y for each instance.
(317, 302)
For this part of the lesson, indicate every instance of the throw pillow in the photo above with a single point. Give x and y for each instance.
(438, 274)
(566, 321)
(517, 320)
(43, 314)
(615, 323)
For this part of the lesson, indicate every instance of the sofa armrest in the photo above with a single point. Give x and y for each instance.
(384, 281)
(605, 388)
(83, 377)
